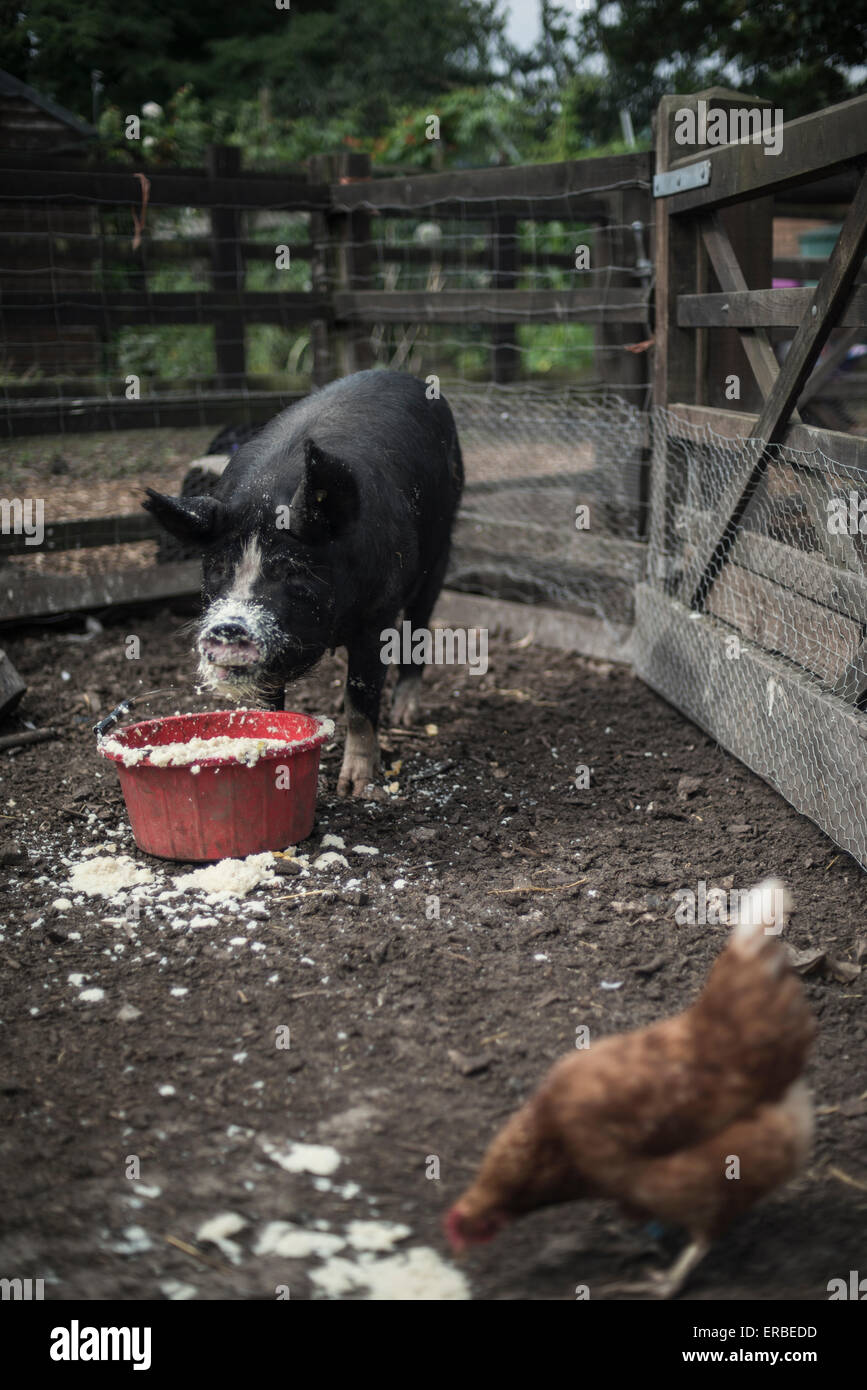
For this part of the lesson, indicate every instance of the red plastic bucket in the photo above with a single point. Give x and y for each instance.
(227, 809)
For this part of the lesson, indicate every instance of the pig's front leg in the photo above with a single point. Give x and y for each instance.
(364, 682)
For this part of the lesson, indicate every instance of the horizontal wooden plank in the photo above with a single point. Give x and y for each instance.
(595, 577)
(492, 306)
(27, 418)
(502, 189)
(783, 308)
(85, 533)
(843, 386)
(834, 212)
(806, 573)
(18, 249)
(24, 596)
(187, 306)
(45, 161)
(816, 197)
(847, 449)
(781, 621)
(548, 627)
(821, 143)
(806, 742)
(167, 189)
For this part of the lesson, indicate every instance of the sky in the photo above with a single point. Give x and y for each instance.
(524, 27)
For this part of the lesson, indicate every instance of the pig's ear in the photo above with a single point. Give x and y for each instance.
(196, 520)
(326, 500)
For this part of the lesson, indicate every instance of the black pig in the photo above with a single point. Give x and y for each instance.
(325, 527)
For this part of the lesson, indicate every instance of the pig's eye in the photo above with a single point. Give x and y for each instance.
(216, 569)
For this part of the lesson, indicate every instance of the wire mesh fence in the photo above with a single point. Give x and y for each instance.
(755, 626)
(196, 297)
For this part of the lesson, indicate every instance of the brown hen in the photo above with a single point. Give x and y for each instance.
(690, 1121)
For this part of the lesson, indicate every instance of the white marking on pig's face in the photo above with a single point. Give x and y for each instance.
(248, 571)
(238, 637)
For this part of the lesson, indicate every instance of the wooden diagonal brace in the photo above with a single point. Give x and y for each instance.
(757, 344)
(830, 298)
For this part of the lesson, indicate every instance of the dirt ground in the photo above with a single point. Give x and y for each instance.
(412, 1036)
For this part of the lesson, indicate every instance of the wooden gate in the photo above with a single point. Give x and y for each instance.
(753, 615)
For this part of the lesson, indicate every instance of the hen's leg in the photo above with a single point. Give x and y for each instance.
(666, 1283)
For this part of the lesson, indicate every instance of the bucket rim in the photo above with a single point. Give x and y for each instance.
(323, 731)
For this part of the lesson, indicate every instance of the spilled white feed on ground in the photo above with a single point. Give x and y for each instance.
(330, 860)
(136, 1241)
(364, 849)
(414, 1275)
(333, 842)
(292, 1242)
(218, 1230)
(231, 878)
(319, 1159)
(106, 876)
(377, 1236)
(176, 1292)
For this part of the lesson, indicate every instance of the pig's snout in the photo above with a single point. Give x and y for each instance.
(229, 645)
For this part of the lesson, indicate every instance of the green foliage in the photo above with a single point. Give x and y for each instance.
(177, 133)
(486, 125)
(318, 57)
(795, 52)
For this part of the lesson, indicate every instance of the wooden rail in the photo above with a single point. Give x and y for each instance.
(101, 283)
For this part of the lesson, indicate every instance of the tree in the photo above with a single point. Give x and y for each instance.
(797, 53)
(365, 60)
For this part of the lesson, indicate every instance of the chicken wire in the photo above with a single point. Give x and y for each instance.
(765, 646)
(533, 458)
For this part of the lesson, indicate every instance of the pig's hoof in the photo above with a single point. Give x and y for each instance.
(406, 702)
(356, 775)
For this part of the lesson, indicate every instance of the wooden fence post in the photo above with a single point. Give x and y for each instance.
(505, 353)
(675, 353)
(322, 272)
(354, 264)
(227, 274)
(628, 225)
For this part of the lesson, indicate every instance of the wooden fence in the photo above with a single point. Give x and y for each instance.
(790, 704)
(57, 281)
(340, 198)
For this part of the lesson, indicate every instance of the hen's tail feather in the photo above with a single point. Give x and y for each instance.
(753, 1009)
(763, 912)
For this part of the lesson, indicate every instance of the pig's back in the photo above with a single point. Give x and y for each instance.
(380, 423)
